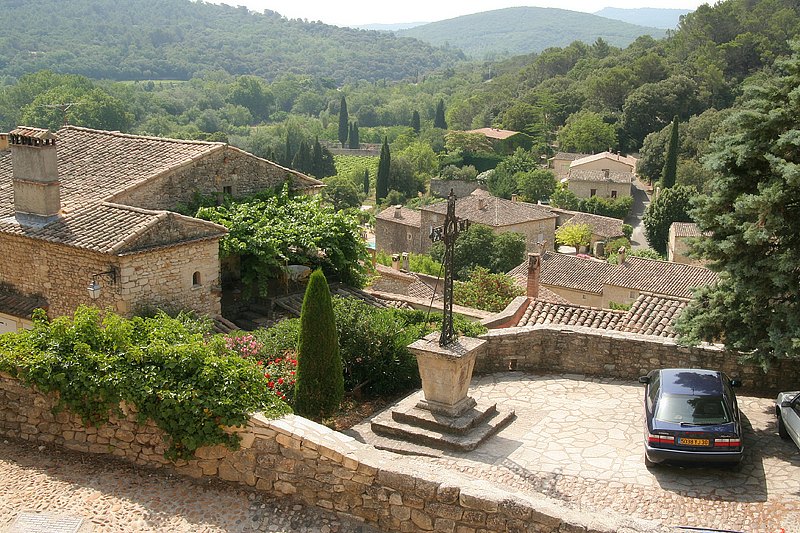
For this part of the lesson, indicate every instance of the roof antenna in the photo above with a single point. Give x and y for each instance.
(63, 107)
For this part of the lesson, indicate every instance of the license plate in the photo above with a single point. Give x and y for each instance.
(694, 442)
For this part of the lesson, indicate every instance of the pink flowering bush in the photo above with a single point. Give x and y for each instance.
(279, 371)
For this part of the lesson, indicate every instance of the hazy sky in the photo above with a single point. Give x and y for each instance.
(356, 12)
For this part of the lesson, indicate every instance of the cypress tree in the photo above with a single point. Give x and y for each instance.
(382, 180)
(438, 119)
(670, 171)
(366, 181)
(355, 141)
(344, 122)
(302, 161)
(415, 122)
(319, 387)
(316, 160)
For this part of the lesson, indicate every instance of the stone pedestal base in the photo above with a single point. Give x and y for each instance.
(442, 416)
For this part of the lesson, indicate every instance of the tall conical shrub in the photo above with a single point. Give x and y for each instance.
(670, 171)
(319, 388)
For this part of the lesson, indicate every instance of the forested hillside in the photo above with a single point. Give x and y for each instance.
(177, 39)
(522, 30)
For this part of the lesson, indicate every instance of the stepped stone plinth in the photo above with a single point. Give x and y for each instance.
(442, 415)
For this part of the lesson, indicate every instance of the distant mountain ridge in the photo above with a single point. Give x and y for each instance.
(176, 39)
(522, 30)
(667, 19)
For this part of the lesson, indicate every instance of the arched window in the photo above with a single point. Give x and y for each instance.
(196, 281)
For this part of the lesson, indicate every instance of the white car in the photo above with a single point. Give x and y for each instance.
(787, 409)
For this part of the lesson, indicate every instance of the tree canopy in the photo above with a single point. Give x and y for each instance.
(753, 218)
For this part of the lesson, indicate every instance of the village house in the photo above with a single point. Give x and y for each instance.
(604, 229)
(560, 163)
(505, 141)
(680, 235)
(87, 217)
(607, 175)
(596, 283)
(654, 301)
(399, 229)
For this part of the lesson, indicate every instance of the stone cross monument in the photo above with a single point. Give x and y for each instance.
(447, 233)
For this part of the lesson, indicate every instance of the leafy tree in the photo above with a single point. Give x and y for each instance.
(536, 185)
(486, 291)
(91, 108)
(671, 205)
(671, 165)
(563, 198)
(754, 223)
(251, 93)
(575, 235)
(586, 132)
(461, 142)
(452, 172)
(384, 166)
(480, 247)
(503, 182)
(344, 121)
(270, 231)
(415, 121)
(341, 193)
(438, 119)
(320, 380)
(404, 178)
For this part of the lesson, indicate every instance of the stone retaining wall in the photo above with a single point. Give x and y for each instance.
(295, 457)
(580, 350)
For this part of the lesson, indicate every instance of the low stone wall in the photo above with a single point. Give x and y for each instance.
(295, 457)
(580, 350)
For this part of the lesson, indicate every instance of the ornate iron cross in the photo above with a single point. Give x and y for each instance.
(447, 233)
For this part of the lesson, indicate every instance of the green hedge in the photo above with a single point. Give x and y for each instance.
(176, 374)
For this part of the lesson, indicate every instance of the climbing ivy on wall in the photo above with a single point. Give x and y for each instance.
(175, 374)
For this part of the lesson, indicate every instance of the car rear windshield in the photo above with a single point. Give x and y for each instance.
(688, 409)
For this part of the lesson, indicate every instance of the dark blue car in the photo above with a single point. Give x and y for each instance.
(691, 415)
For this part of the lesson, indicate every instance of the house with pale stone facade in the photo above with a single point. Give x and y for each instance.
(678, 243)
(607, 175)
(86, 217)
(399, 229)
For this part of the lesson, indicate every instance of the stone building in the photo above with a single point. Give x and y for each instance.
(560, 162)
(86, 218)
(607, 175)
(398, 229)
(680, 234)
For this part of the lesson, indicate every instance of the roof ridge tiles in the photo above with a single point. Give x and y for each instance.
(145, 137)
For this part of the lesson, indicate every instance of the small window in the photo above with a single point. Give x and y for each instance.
(593, 192)
(196, 281)
(632, 294)
(227, 189)
(613, 194)
(409, 236)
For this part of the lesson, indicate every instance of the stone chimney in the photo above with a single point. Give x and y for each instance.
(396, 261)
(514, 197)
(398, 211)
(404, 258)
(534, 271)
(37, 190)
(621, 254)
(481, 203)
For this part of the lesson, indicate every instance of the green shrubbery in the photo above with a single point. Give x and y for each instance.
(487, 291)
(189, 383)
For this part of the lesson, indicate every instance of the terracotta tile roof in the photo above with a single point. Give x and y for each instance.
(108, 228)
(602, 226)
(494, 133)
(567, 156)
(628, 160)
(651, 314)
(493, 211)
(575, 273)
(686, 229)
(541, 312)
(20, 306)
(520, 276)
(600, 176)
(408, 217)
(660, 277)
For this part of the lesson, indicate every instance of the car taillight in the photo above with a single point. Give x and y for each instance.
(734, 442)
(660, 439)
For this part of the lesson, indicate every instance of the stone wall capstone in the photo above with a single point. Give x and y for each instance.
(296, 457)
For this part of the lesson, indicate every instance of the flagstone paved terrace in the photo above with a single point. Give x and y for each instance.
(579, 440)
